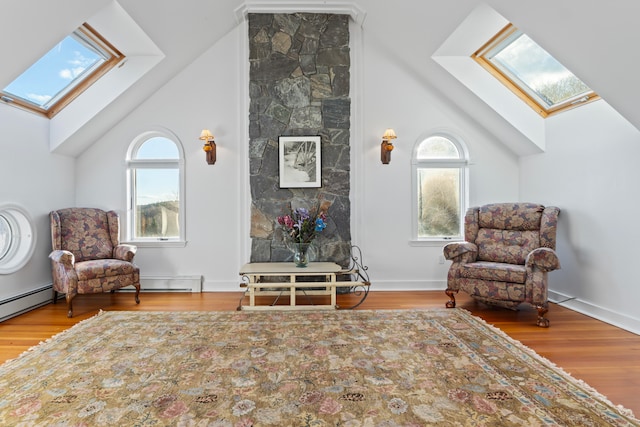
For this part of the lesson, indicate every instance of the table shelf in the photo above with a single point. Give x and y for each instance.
(256, 287)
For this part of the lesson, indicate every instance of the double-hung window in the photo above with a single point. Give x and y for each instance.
(439, 168)
(156, 191)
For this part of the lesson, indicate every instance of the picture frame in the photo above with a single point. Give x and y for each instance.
(299, 162)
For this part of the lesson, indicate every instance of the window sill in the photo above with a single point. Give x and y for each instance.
(158, 243)
(432, 242)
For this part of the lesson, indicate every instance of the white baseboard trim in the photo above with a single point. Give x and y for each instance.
(409, 285)
(19, 304)
(387, 285)
(588, 309)
(222, 286)
(12, 307)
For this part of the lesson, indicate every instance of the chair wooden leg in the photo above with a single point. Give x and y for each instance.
(542, 321)
(137, 294)
(55, 297)
(69, 306)
(452, 298)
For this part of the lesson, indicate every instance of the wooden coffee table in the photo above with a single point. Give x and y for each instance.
(254, 273)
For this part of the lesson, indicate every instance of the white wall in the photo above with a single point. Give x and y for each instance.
(208, 94)
(396, 95)
(590, 171)
(38, 181)
(204, 95)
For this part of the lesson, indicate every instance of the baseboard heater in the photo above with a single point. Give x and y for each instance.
(170, 284)
(28, 301)
(19, 304)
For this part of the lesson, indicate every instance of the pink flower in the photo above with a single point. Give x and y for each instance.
(209, 354)
(176, 409)
(310, 397)
(459, 395)
(27, 407)
(483, 405)
(287, 387)
(286, 220)
(321, 352)
(330, 406)
(245, 422)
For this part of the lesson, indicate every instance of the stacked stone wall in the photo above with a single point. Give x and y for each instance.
(299, 85)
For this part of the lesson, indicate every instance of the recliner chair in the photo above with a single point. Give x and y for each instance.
(87, 255)
(508, 250)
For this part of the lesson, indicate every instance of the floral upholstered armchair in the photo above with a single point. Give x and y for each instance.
(508, 250)
(87, 255)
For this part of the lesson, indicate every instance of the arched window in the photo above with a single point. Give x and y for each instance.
(439, 168)
(155, 167)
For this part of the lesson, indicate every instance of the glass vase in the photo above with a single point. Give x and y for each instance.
(301, 254)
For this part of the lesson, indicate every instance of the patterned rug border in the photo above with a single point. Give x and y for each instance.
(532, 353)
(61, 334)
(39, 349)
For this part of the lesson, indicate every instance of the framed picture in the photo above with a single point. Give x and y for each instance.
(299, 162)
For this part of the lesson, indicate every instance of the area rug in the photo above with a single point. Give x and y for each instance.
(329, 368)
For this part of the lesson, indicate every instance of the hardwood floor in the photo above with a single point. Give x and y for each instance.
(605, 357)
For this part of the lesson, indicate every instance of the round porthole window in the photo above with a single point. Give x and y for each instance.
(17, 238)
(5, 237)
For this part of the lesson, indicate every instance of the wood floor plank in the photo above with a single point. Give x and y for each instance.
(604, 356)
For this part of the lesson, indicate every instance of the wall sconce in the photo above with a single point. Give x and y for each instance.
(209, 146)
(387, 146)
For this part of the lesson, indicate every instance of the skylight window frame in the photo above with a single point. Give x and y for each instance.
(87, 35)
(506, 36)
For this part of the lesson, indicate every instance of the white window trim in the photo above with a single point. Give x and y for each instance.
(93, 40)
(132, 164)
(462, 163)
(504, 38)
(23, 238)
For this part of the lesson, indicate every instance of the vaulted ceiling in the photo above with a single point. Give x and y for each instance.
(593, 39)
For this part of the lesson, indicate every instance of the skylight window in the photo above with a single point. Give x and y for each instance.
(532, 73)
(63, 73)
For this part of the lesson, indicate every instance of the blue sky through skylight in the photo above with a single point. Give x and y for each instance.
(54, 72)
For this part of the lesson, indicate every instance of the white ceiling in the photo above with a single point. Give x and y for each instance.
(593, 39)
